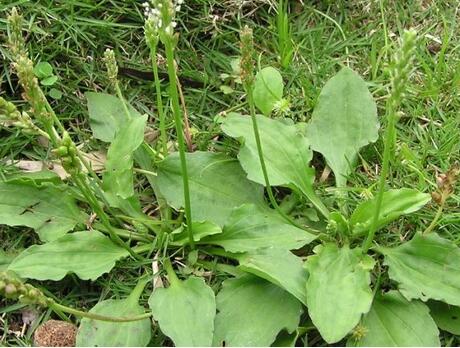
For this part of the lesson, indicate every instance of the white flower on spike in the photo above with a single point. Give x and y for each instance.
(161, 18)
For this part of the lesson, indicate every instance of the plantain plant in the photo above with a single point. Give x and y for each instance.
(286, 275)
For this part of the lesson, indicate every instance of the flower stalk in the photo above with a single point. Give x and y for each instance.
(152, 38)
(14, 289)
(160, 15)
(247, 77)
(400, 74)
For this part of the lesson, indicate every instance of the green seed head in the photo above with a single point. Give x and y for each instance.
(10, 290)
(247, 56)
(15, 39)
(402, 66)
(111, 65)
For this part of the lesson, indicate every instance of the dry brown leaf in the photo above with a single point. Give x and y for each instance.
(96, 159)
(157, 282)
(37, 166)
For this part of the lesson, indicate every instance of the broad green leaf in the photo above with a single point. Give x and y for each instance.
(185, 312)
(200, 230)
(49, 81)
(278, 266)
(249, 229)
(49, 210)
(107, 115)
(97, 333)
(43, 70)
(286, 153)
(5, 260)
(426, 267)
(447, 317)
(118, 176)
(55, 93)
(268, 89)
(395, 322)
(88, 254)
(394, 204)
(344, 120)
(252, 311)
(338, 290)
(217, 185)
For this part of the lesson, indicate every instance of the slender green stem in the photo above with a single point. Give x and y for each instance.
(53, 133)
(435, 220)
(94, 316)
(180, 135)
(139, 249)
(314, 199)
(271, 196)
(163, 136)
(388, 139)
(92, 201)
(123, 101)
(384, 23)
(143, 171)
(172, 277)
(221, 267)
(146, 238)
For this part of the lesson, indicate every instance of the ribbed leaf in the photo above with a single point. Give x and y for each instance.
(279, 266)
(287, 153)
(252, 312)
(249, 229)
(395, 203)
(338, 290)
(88, 254)
(447, 317)
(50, 210)
(426, 267)
(343, 121)
(98, 333)
(107, 115)
(185, 312)
(118, 176)
(217, 185)
(395, 322)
